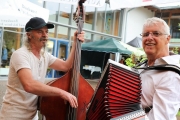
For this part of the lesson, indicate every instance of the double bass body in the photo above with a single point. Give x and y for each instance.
(55, 108)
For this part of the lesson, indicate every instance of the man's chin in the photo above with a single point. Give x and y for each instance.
(44, 44)
(149, 52)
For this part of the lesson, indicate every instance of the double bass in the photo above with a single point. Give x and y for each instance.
(54, 107)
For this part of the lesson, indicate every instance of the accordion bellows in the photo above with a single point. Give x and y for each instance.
(117, 93)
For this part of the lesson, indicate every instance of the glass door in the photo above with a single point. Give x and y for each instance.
(50, 47)
(62, 53)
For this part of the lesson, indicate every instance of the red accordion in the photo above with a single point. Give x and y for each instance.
(117, 93)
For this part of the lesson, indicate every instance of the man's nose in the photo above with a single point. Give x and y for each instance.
(150, 35)
(44, 34)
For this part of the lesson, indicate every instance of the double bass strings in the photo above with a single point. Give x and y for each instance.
(76, 71)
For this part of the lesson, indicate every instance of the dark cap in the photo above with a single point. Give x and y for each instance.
(37, 23)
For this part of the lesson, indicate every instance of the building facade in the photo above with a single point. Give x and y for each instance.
(100, 23)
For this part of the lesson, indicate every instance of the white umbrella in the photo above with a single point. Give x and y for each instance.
(16, 13)
(136, 51)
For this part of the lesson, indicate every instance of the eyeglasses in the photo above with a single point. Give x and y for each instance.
(154, 34)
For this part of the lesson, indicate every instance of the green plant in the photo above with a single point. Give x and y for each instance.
(143, 59)
(133, 60)
(129, 62)
(175, 50)
(178, 114)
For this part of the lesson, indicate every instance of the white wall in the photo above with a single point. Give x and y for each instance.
(135, 20)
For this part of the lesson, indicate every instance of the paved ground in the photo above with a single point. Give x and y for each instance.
(93, 82)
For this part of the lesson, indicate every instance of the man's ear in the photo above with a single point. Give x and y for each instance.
(168, 38)
(28, 34)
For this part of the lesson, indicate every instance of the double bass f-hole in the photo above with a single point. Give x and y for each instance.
(53, 107)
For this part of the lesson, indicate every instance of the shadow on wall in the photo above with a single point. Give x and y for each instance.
(2, 90)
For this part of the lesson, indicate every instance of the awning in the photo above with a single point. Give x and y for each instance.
(134, 50)
(16, 13)
(117, 4)
(109, 45)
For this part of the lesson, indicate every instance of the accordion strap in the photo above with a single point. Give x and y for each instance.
(141, 63)
(166, 67)
(147, 109)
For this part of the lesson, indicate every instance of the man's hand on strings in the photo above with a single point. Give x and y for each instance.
(70, 98)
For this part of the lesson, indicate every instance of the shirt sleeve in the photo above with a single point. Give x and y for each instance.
(166, 99)
(20, 60)
(51, 59)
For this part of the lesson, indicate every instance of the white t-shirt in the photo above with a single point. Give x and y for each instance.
(161, 89)
(17, 103)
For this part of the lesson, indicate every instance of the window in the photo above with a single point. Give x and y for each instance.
(175, 28)
(11, 42)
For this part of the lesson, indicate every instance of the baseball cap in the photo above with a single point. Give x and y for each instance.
(37, 23)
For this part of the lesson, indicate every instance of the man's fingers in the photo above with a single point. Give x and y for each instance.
(74, 103)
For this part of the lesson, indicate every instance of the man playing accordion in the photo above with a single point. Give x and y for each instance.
(160, 89)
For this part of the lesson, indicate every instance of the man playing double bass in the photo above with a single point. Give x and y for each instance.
(28, 66)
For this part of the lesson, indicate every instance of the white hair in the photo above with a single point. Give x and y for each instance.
(155, 21)
(27, 44)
